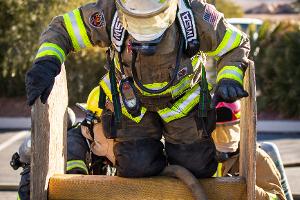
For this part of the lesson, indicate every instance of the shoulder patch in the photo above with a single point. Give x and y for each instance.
(211, 15)
(97, 20)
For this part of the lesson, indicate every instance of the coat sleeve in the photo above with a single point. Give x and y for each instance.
(219, 39)
(86, 26)
(267, 177)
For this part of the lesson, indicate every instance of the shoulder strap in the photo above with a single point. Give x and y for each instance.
(187, 22)
(117, 33)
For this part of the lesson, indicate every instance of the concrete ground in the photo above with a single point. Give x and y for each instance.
(288, 144)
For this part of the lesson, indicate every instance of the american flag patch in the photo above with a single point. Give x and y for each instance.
(211, 15)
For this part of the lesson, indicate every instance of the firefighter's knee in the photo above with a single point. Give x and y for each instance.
(139, 158)
(198, 157)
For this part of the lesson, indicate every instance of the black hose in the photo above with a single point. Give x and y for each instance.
(138, 82)
(187, 178)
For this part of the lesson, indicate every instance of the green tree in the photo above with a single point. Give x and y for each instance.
(278, 68)
(20, 30)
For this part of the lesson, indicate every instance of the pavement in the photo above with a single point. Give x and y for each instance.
(288, 143)
(281, 126)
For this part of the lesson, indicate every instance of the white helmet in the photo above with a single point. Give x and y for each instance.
(146, 20)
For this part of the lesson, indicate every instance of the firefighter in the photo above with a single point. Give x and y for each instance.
(226, 137)
(154, 88)
(23, 158)
(89, 151)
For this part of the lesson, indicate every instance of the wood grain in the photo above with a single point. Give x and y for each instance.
(49, 127)
(248, 133)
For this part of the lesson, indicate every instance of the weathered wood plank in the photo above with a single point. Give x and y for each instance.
(49, 127)
(248, 133)
(75, 187)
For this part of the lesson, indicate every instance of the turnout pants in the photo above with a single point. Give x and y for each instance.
(141, 152)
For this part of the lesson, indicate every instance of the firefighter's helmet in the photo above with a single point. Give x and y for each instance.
(92, 101)
(228, 112)
(146, 20)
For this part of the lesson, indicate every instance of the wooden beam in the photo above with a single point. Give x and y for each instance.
(248, 133)
(49, 126)
(89, 187)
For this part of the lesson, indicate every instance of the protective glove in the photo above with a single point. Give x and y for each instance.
(40, 79)
(229, 91)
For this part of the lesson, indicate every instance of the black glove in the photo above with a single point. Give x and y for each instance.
(40, 79)
(229, 91)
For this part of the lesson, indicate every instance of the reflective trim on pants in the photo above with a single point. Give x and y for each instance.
(219, 171)
(79, 164)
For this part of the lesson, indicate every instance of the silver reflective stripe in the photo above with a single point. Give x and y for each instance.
(227, 71)
(181, 87)
(107, 81)
(76, 30)
(229, 43)
(182, 107)
(170, 113)
(52, 49)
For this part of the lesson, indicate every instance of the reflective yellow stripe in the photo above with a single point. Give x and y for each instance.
(76, 30)
(230, 41)
(272, 196)
(51, 49)
(219, 172)
(82, 29)
(18, 197)
(105, 84)
(175, 90)
(72, 164)
(71, 32)
(181, 107)
(231, 72)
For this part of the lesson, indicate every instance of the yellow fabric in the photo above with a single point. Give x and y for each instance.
(182, 106)
(219, 172)
(51, 49)
(105, 84)
(231, 40)
(92, 101)
(69, 28)
(231, 72)
(72, 164)
(227, 137)
(76, 30)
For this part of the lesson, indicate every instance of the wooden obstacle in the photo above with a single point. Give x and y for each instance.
(49, 154)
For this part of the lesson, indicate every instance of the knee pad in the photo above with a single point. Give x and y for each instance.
(139, 158)
(198, 157)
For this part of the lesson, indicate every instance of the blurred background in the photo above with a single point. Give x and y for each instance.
(273, 27)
